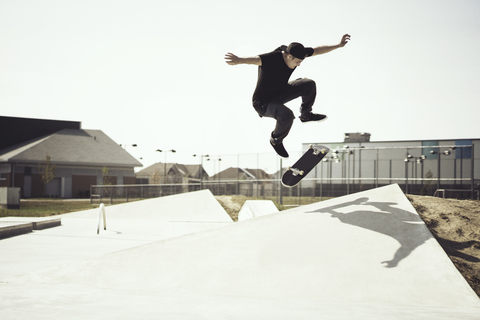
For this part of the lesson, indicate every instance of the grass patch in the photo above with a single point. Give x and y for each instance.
(45, 208)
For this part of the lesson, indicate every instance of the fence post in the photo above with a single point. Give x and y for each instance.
(472, 174)
(280, 183)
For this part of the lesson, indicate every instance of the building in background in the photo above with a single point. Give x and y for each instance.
(418, 166)
(81, 157)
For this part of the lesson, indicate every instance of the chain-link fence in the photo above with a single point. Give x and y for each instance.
(423, 170)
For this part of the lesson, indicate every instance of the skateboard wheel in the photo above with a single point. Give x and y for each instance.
(296, 172)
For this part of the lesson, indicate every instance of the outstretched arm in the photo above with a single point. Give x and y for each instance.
(325, 49)
(233, 60)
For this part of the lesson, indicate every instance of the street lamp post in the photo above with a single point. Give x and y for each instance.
(124, 146)
(165, 163)
(447, 152)
(415, 162)
(218, 180)
(201, 167)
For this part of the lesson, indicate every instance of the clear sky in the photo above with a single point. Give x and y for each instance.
(152, 73)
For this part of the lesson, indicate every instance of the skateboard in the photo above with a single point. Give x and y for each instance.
(304, 165)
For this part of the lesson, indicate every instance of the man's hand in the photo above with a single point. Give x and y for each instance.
(325, 49)
(345, 39)
(233, 60)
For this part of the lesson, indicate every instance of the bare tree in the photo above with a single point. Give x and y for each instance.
(105, 177)
(47, 169)
(155, 177)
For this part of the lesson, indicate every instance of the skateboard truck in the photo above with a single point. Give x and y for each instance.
(296, 171)
(317, 151)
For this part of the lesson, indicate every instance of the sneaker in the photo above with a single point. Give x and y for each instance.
(312, 117)
(279, 148)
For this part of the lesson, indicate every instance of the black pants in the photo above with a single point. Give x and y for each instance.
(276, 109)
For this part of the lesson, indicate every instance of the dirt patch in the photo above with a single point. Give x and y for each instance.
(232, 204)
(456, 226)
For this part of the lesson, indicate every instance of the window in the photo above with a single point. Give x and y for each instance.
(430, 146)
(463, 152)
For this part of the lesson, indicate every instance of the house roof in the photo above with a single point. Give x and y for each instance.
(19, 130)
(240, 173)
(156, 167)
(183, 169)
(259, 173)
(71, 147)
(192, 169)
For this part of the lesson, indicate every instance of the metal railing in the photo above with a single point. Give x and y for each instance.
(100, 214)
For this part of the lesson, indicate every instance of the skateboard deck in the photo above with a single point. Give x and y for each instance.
(304, 165)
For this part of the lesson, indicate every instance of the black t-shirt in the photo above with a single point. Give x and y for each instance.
(273, 76)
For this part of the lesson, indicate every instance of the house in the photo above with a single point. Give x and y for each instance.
(248, 182)
(241, 174)
(161, 173)
(81, 158)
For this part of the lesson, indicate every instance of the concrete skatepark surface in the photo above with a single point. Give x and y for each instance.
(128, 225)
(362, 256)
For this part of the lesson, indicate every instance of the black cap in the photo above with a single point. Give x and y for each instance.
(297, 50)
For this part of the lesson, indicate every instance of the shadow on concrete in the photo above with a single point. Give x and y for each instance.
(404, 226)
(452, 248)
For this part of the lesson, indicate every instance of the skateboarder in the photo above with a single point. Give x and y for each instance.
(273, 88)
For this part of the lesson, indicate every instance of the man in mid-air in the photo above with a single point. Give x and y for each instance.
(273, 88)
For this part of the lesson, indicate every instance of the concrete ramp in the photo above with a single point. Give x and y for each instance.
(363, 256)
(256, 208)
(160, 218)
(193, 206)
(128, 225)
